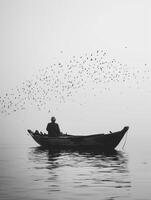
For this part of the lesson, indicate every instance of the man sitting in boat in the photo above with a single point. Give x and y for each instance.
(53, 128)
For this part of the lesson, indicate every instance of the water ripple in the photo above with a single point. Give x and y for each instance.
(85, 174)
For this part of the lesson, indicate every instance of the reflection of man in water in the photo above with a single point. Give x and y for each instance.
(53, 128)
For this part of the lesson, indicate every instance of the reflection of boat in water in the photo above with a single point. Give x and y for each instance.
(101, 142)
(58, 158)
(71, 169)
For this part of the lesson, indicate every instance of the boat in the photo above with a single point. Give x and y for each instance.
(101, 142)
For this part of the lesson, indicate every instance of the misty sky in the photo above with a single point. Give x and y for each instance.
(37, 33)
(33, 32)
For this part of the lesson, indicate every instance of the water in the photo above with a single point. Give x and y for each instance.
(29, 172)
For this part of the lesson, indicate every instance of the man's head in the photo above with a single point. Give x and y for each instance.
(53, 119)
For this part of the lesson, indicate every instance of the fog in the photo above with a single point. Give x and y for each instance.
(37, 34)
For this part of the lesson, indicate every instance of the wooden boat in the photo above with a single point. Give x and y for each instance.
(101, 142)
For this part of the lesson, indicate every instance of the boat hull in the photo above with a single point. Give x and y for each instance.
(101, 142)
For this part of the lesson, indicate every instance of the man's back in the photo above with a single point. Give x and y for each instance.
(53, 129)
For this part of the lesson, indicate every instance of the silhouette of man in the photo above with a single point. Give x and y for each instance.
(53, 128)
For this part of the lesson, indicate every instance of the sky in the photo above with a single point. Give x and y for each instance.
(35, 34)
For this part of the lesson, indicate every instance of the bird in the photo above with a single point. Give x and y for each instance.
(61, 81)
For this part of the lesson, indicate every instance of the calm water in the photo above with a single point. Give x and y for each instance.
(28, 172)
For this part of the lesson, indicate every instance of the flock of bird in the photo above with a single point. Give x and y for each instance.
(61, 81)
